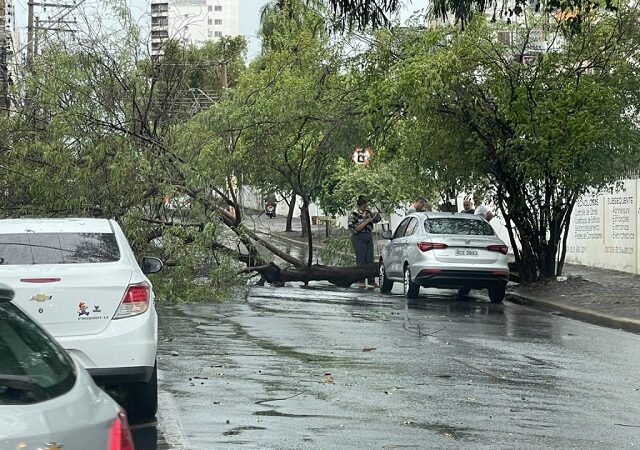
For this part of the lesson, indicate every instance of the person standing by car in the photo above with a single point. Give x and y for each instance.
(466, 204)
(361, 225)
(418, 206)
(482, 209)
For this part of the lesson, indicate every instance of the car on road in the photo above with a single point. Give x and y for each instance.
(80, 280)
(47, 399)
(445, 250)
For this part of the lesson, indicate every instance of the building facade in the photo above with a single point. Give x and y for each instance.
(192, 22)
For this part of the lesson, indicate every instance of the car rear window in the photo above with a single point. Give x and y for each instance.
(33, 368)
(453, 225)
(58, 248)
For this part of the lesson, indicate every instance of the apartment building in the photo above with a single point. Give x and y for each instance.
(192, 22)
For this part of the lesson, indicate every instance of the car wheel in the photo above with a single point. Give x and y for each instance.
(496, 293)
(464, 291)
(385, 284)
(411, 290)
(142, 398)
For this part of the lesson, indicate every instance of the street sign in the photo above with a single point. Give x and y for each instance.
(362, 156)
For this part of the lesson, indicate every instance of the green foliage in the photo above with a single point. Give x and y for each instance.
(540, 131)
(337, 250)
(387, 186)
(100, 131)
(195, 270)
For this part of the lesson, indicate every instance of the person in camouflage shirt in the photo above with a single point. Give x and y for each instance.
(361, 225)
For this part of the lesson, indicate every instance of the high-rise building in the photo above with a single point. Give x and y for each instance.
(192, 21)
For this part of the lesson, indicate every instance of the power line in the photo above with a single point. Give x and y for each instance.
(57, 21)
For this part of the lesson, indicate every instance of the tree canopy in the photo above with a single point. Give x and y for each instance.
(532, 114)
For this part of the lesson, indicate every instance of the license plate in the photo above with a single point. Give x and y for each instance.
(464, 252)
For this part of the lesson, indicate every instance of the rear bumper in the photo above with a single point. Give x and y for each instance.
(115, 375)
(124, 351)
(451, 278)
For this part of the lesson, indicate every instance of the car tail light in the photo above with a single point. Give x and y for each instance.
(426, 246)
(498, 248)
(135, 300)
(120, 434)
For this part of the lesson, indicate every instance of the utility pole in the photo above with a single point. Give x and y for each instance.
(30, 30)
(4, 72)
(56, 23)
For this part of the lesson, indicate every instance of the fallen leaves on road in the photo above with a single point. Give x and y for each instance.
(328, 379)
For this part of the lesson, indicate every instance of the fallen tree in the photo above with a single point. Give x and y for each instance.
(339, 276)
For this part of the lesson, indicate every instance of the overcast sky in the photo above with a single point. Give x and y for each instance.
(249, 16)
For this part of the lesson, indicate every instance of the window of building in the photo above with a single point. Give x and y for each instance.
(210, 8)
(218, 8)
(209, 33)
(506, 37)
(160, 21)
(218, 21)
(218, 34)
(210, 21)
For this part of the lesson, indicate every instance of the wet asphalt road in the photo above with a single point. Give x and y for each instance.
(328, 368)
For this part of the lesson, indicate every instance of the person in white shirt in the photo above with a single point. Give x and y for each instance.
(418, 206)
(482, 209)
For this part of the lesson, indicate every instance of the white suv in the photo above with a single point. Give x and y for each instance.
(80, 280)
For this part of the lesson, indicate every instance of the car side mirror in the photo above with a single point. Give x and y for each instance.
(386, 234)
(151, 265)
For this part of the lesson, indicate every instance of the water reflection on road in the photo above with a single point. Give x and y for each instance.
(145, 436)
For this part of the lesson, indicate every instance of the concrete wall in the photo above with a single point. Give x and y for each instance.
(604, 229)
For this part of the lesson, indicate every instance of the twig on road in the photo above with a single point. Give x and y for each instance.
(417, 329)
(269, 400)
(627, 425)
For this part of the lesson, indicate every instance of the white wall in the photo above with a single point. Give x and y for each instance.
(604, 230)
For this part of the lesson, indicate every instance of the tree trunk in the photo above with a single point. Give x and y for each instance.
(305, 220)
(306, 228)
(563, 253)
(339, 276)
(292, 208)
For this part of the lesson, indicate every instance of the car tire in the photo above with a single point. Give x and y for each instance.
(496, 293)
(464, 291)
(142, 398)
(385, 283)
(411, 290)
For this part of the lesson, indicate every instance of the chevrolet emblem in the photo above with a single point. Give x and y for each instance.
(52, 446)
(41, 298)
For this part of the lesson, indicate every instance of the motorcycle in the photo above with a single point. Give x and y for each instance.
(270, 210)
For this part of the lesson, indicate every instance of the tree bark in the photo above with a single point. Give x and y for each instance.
(339, 276)
(292, 208)
(305, 220)
(306, 226)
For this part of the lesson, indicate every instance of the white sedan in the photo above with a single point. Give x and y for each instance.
(445, 250)
(80, 280)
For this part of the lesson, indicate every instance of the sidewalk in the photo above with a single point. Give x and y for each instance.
(602, 297)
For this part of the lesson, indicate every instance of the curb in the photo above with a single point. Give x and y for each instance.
(573, 312)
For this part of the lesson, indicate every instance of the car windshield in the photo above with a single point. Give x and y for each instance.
(58, 248)
(453, 225)
(33, 368)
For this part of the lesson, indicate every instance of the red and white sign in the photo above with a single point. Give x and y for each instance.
(362, 156)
